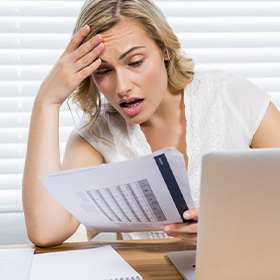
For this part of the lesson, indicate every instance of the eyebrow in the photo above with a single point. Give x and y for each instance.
(129, 51)
(126, 53)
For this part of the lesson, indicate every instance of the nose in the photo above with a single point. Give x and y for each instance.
(123, 83)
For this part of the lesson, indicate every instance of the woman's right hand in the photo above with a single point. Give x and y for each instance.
(186, 231)
(75, 64)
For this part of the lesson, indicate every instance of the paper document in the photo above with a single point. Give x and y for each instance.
(88, 264)
(140, 194)
(15, 263)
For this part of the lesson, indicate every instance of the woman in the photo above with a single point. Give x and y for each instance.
(154, 99)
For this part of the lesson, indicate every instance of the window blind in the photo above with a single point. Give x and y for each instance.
(239, 36)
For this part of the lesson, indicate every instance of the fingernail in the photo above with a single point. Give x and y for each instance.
(100, 46)
(98, 37)
(187, 215)
(86, 27)
(98, 61)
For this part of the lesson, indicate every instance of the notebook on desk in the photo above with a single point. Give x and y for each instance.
(101, 263)
(239, 223)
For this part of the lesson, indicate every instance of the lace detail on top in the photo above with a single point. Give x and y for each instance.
(217, 119)
(120, 138)
(205, 124)
(138, 139)
(192, 139)
(129, 140)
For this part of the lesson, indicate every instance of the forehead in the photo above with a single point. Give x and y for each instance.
(124, 35)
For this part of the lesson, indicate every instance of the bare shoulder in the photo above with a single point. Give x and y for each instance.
(79, 153)
(268, 133)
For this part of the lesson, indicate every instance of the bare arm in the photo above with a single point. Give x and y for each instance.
(268, 133)
(47, 222)
(79, 153)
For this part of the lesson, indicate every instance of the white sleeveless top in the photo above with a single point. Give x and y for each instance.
(223, 112)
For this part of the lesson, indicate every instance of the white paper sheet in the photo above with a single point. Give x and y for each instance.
(141, 194)
(15, 263)
(88, 264)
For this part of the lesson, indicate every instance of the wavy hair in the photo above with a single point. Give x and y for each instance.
(101, 15)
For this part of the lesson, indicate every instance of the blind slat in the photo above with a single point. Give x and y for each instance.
(188, 24)
(19, 135)
(49, 57)
(35, 40)
(247, 69)
(22, 119)
(176, 8)
(10, 201)
(188, 40)
(10, 181)
(21, 104)
(19, 88)
(235, 55)
(17, 151)
(230, 40)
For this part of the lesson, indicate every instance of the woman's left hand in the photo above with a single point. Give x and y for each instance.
(186, 231)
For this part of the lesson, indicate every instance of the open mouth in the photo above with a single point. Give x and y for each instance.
(131, 103)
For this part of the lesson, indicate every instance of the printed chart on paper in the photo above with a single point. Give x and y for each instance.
(129, 203)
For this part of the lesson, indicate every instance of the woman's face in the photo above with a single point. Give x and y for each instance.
(132, 75)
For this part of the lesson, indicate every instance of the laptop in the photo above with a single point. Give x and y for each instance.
(239, 221)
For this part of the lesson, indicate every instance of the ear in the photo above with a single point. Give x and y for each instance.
(166, 54)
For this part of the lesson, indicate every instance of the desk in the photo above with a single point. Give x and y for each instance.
(148, 257)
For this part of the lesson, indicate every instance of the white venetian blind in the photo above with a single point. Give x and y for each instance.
(240, 36)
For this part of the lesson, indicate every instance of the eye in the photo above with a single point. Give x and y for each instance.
(103, 72)
(136, 63)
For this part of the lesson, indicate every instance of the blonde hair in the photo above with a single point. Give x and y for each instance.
(101, 15)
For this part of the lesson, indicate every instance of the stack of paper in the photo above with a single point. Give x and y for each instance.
(88, 264)
(15, 263)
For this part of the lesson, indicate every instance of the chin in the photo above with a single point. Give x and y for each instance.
(138, 119)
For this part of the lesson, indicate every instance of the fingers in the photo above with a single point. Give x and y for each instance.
(83, 52)
(93, 44)
(187, 228)
(76, 64)
(191, 214)
(185, 231)
(88, 58)
(190, 238)
(85, 72)
(81, 59)
(78, 38)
